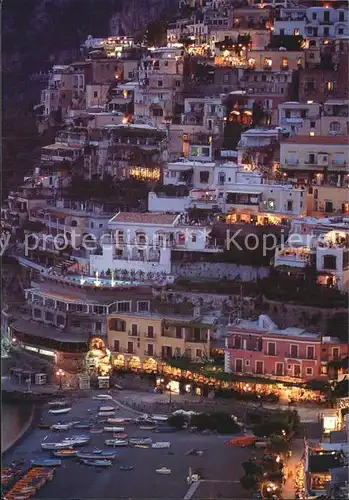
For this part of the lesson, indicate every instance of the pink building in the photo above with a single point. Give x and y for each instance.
(260, 348)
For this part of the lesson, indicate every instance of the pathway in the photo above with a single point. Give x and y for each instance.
(289, 489)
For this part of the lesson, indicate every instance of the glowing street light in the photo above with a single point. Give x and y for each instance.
(60, 374)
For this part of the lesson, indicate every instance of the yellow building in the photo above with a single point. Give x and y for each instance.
(144, 340)
(326, 200)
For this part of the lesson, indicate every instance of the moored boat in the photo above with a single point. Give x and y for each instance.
(106, 413)
(102, 397)
(43, 426)
(95, 430)
(114, 429)
(61, 427)
(116, 442)
(59, 411)
(46, 462)
(106, 408)
(147, 427)
(65, 453)
(105, 454)
(117, 421)
(163, 470)
(55, 446)
(141, 441)
(58, 402)
(120, 435)
(98, 462)
(166, 428)
(82, 426)
(126, 467)
(161, 444)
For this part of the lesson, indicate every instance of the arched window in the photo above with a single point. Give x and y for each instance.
(335, 128)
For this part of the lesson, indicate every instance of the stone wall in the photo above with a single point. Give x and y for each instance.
(220, 270)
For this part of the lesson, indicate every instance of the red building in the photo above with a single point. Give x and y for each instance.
(260, 348)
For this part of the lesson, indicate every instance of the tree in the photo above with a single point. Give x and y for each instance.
(257, 113)
(250, 482)
(156, 33)
(278, 444)
(177, 421)
(290, 42)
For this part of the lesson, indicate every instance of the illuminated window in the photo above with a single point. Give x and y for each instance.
(296, 32)
(312, 134)
(252, 63)
(284, 62)
(330, 85)
(268, 62)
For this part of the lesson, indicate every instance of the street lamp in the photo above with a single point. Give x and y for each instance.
(168, 387)
(60, 374)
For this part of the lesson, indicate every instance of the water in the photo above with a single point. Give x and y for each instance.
(14, 419)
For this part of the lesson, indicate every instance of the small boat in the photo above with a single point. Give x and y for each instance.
(76, 441)
(55, 446)
(65, 453)
(97, 455)
(159, 418)
(106, 413)
(161, 444)
(163, 470)
(96, 431)
(166, 428)
(98, 463)
(43, 426)
(107, 408)
(61, 427)
(147, 427)
(59, 402)
(101, 397)
(114, 429)
(117, 420)
(82, 426)
(144, 446)
(59, 411)
(141, 441)
(126, 467)
(120, 435)
(116, 442)
(46, 462)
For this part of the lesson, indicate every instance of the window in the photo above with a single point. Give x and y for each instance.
(158, 112)
(330, 85)
(326, 31)
(150, 350)
(259, 367)
(335, 353)
(335, 128)
(238, 365)
(124, 306)
(341, 17)
(178, 332)
(311, 159)
(271, 349)
(130, 348)
(95, 94)
(313, 15)
(118, 325)
(193, 238)
(279, 369)
(312, 124)
(37, 313)
(296, 370)
(310, 352)
(150, 332)
(134, 330)
(98, 327)
(326, 16)
(282, 31)
(117, 345)
(49, 316)
(166, 63)
(221, 178)
(330, 262)
(329, 206)
(143, 306)
(178, 83)
(294, 351)
(309, 370)
(159, 83)
(199, 353)
(204, 176)
(340, 31)
(289, 205)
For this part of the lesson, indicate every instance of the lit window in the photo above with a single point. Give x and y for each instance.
(284, 62)
(330, 85)
(312, 134)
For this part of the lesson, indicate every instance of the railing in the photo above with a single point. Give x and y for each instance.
(133, 334)
(267, 353)
(150, 337)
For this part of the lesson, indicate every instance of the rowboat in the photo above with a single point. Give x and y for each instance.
(166, 428)
(59, 411)
(163, 470)
(114, 429)
(106, 408)
(147, 427)
(120, 435)
(126, 467)
(44, 426)
(105, 454)
(59, 402)
(159, 418)
(55, 446)
(141, 441)
(75, 441)
(117, 420)
(101, 397)
(96, 431)
(82, 426)
(65, 453)
(98, 463)
(161, 444)
(144, 446)
(116, 442)
(61, 427)
(46, 462)
(106, 413)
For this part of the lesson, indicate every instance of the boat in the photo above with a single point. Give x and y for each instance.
(61, 427)
(117, 420)
(144, 446)
(100, 397)
(116, 442)
(120, 435)
(161, 444)
(114, 429)
(106, 413)
(163, 470)
(59, 411)
(95, 430)
(43, 426)
(65, 453)
(55, 446)
(76, 441)
(46, 462)
(98, 462)
(147, 427)
(97, 455)
(126, 467)
(159, 418)
(166, 428)
(107, 408)
(83, 426)
(141, 441)
(59, 402)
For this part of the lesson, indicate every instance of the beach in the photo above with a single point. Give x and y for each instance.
(220, 464)
(15, 419)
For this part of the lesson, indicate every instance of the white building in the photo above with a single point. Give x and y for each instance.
(143, 242)
(198, 174)
(254, 139)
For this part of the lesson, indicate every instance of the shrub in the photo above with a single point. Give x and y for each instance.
(218, 421)
(176, 421)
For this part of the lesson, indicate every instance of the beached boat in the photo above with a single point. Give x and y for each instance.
(98, 463)
(65, 453)
(106, 413)
(101, 454)
(148, 427)
(163, 470)
(43, 426)
(58, 402)
(95, 430)
(59, 411)
(114, 429)
(55, 446)
(141, 441)
(159, 418)
(46, 462)
(126, 467)
(117, 420)
(76, 441)
(166, 428)
(83, 426)
(61, 427)
(116, 442)
(161, 444)
(106, 408)
(120, 435)
(101, 397)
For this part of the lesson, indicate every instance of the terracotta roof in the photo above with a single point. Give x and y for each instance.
(318, 139)
(144, 218)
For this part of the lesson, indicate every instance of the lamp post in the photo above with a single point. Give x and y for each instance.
(60, 374)
(168, 387)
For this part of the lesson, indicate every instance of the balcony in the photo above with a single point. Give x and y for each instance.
(150, 337)
(268, 353)
(133, 334)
